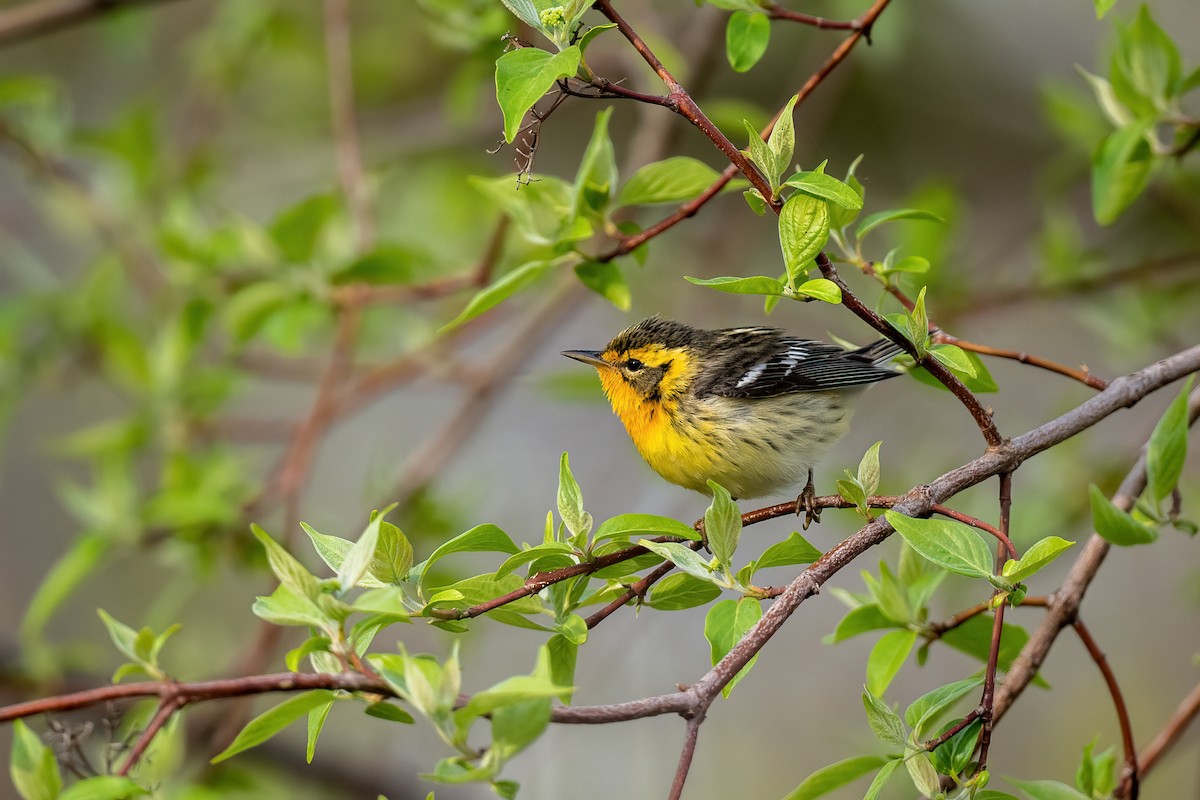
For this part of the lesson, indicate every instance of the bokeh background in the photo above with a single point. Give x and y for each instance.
(220, 110)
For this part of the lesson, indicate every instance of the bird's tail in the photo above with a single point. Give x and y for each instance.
(883, 350)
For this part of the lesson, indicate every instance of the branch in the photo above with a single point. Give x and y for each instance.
(1083, 374)
(345, 127)
(1184, 715)
(1064, 605)
(46, 16)
(1129, 774)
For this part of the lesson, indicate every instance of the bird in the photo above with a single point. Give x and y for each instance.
(751, 408)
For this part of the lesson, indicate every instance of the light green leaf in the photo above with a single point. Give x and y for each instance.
(834, 776)
(1103, 7)
(725, 625)
(297, 229)
(722, 525)
(287, 569)
(1037, 556)
(795, 549)
(596, 179)
(681, 556)
(570, 501)
(605, 279)
(880, 217)
(827, 187)
(486, 538)
(761, 156)
(782, 141)
(359, 556)
(1168, 447)
(286, 606)
(1047, 790)
(1114, 524)
(103, 787)
(316, 721)
(925, 710)
(951, 545)
(885, 723)
(1120, 170)
(510, 283)
(758, 284)
(680, 591)
(526, 11)
(881, 779)
(524, 75)
(954, 358)
(33, 768)
(803, 231)
(623, 526)
(271, 722)
(821, 289)
(865, 618)
(924, 775)
(670, 181)
(549, 549)
(887, 657)
(868, 469)
(746, 37)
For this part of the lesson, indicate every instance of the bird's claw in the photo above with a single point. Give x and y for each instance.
(807, 502)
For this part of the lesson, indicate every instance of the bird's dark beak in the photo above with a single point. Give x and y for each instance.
(588, 357)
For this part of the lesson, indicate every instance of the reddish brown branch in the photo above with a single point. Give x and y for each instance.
(987, 703)
(1129, 774)
(776, 11)
(1184, 715)
(967, 519)
(987, 426)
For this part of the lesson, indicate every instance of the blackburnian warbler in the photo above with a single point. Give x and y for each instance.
(750, 408)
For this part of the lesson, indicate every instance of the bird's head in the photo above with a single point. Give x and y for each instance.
(649, 362)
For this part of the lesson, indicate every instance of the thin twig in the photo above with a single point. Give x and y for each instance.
(1129, 774)
(691, 734)
(1184, 715)
(1083, 374)
(776, 11)
(967, 519)
(345, 126)
(987, 702)
(46, 16)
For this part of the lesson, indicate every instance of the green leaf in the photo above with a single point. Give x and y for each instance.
(821, 289)
(359, 556)
(761, 156)
(722, 525)
(795, 549)
(782, 141)
(33, 767)
(725, 625)
(123, 636)
(974, 637)
(1168, 447)
(953, 358)
(546, 550)
(840, 217)
(103, 787)
(296, 230)
(390, 712)
(746, 37)
(917, 323)
(827, 187)
(481, 588)
(884, 722)
(562, 656)
(681, 556)
(865, 618)
(271, 722)
(1037, 556)
(954, 755)
(486, 538)
(287, 569)
(286, 606)
(880, 217)
(510, 283)
(803, 231)
(524, 75)
(834, 776)
(670, 181)
(605, 279)
(245, 313)
(925, 710)
(316, 721)
(623, 526)
(868, 469)
(386, 265)
(1103, 7)
(591, 33)
(1120, 170)
(679, 591)
(1114, 524)
(951, 545)
(1047, 790)
(887, 657)
(921, 770)
(881, 779)
(1146, 67)
(759, 284)
(570, 501)
(596, 179)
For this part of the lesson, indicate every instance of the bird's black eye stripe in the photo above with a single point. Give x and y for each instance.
(633, 365)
